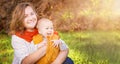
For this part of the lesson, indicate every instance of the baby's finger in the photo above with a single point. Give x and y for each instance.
(55, 45)
(52, 40)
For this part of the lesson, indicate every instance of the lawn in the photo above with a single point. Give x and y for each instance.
(6, 52)
(93, 47)
(86, 47)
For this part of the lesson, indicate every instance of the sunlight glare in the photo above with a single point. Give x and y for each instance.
(116, 7)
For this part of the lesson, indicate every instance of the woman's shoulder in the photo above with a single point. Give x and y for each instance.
(16, 41)
(16, 37)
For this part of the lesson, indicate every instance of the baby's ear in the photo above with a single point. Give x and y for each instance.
(39, 32)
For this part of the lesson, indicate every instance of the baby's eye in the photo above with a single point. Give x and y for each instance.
(47, 28)
(51, 28)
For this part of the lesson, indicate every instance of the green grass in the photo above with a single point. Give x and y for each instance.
(86, 47)
(6, 51)
(93, 47)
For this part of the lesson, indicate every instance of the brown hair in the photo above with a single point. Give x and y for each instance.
(18, 18)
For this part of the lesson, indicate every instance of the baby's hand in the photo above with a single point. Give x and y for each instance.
(56, 43)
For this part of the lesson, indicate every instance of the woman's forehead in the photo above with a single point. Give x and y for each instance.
(28, 10)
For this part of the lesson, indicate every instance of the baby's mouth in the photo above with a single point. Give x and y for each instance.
(49, 34)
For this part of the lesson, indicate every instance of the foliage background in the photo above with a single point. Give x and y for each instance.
(69, 15)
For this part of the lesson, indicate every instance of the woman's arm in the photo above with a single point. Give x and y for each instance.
(61, 57)
(32, 58)
(22, 54)
(64, 50)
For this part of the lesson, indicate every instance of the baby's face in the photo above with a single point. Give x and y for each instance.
(45, 28)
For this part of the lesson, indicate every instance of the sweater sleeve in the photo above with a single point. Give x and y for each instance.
(63, 45)
(20, 49)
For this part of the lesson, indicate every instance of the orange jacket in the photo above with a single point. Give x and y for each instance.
(52, 52)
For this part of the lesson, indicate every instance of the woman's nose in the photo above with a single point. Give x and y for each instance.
(30, 18)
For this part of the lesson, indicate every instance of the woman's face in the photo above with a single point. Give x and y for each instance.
(30, 19)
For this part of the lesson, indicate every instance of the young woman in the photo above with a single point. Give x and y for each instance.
(24, 19)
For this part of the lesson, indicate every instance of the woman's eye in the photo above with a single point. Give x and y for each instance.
(25, 16)
(32, 13)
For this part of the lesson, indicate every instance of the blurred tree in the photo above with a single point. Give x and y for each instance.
(67, 15)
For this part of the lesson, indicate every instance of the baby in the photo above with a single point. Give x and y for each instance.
(46, 32)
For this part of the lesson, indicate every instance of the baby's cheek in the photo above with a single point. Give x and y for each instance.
(45, 35)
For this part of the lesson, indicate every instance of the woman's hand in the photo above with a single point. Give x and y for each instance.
(56, 63)
(61, 57)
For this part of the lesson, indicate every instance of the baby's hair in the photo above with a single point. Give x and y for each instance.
(43, 20)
